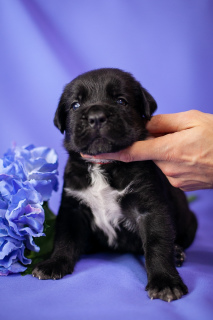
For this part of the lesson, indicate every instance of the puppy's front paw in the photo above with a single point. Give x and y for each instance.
(52, 269)
(166, 289)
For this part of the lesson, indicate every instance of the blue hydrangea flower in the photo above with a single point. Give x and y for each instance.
(27, 178)
(37, 165)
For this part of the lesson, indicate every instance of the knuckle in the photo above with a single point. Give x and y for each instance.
(178, 184)
(175, 182)
(168, 172)
(194, 114)
(166, 168)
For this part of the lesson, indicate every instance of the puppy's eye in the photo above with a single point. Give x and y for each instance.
(121, 102)
(75, 105)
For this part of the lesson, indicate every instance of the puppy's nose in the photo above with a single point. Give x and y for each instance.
(97, 119)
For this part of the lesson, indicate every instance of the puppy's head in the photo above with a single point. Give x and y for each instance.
(102, 111)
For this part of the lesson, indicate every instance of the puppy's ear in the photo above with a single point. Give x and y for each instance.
(149, 104)
(60, 115)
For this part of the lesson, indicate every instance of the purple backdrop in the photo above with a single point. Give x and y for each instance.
(168, 47)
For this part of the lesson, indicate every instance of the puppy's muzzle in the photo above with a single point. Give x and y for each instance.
(96, 117)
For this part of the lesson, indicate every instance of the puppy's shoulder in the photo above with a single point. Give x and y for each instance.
(76, 174)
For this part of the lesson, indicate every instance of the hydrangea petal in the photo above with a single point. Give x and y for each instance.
(30, 244)
(44, 187)
(14, 268)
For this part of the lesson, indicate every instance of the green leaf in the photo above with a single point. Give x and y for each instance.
(192, 198)
(45, 243)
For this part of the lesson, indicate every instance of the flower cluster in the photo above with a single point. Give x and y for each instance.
(28, 175)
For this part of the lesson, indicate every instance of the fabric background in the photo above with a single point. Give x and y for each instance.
(168, 46)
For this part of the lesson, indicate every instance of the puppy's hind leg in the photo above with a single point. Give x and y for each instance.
(180, 256)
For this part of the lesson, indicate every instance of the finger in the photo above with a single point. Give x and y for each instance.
(168, 123)
(107, 156)
(154, 149)
(187, 184)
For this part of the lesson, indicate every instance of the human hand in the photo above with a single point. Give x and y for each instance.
(181, 145)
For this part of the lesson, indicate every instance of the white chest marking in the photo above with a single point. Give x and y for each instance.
(103, 201)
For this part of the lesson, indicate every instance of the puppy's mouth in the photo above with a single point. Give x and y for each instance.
(105, 141)
(100, 145)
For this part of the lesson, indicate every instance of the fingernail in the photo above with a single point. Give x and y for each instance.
(86, 156)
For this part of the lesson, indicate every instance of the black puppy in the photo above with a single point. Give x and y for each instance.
(121, 207)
